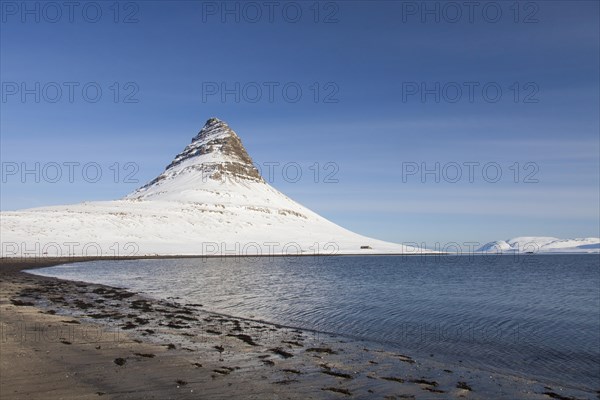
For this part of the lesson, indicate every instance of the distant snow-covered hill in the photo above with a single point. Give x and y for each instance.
(542, 244)
(210, 200)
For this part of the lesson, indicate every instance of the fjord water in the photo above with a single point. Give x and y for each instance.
(531, 315)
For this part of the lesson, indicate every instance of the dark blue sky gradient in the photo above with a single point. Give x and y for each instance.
(371, 55)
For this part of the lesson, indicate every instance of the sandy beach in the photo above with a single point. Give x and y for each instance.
(63, 339)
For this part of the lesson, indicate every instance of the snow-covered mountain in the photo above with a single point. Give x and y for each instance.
(210, 200)
(542, 244)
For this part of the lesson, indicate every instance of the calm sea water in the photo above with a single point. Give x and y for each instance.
(536, 315)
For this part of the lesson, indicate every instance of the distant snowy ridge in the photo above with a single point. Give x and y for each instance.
(210, 200)
(542, 244)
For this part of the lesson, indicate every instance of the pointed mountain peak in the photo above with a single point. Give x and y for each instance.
(213, 126)
(218, 141)
(215, 153)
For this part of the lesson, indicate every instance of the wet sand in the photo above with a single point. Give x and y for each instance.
(64, 339)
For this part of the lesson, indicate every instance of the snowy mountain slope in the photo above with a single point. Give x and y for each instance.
(210, 200)
(497, 246)
(542, 244)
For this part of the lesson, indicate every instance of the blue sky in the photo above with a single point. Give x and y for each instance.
(379, 97)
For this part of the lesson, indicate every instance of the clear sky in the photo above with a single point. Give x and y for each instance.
(374, 92)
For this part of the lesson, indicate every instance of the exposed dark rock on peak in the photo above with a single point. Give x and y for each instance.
(216, 152)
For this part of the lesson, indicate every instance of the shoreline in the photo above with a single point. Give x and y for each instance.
(113, 343)
(38, 261)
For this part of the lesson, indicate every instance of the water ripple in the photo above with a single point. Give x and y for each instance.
(537, 316)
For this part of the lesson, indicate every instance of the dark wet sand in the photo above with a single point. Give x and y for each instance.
(64, 339)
